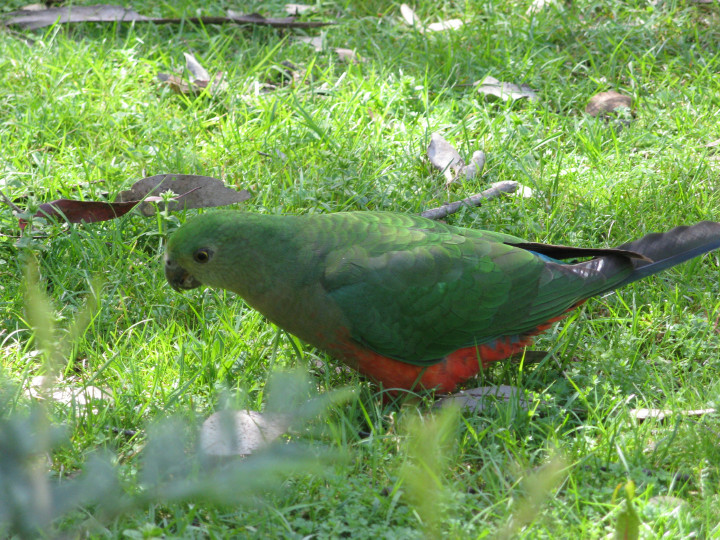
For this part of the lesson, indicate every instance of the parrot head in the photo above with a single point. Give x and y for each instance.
(193, 256)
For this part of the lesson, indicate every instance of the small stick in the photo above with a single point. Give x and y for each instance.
(475, 200)
(10, 203)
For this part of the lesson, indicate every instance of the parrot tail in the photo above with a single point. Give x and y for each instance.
(665, 250)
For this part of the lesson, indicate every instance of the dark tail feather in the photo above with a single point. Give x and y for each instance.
(671, 248)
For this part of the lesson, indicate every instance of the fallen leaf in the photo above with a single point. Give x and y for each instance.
(410, 17)
(315, 41)
(476, 166)
(72, 14)
(197, 191)
(494, 89)
(65, 395)
(195, 68)
(347, 55)
(712, 144)
(239, 433)
(81, 211)
(451, 24)
(444, 157)
(478, 399)
(538, 5)
(296, 9)
(198, 83)
(524, 192)
(32, 20)
(33, 7)
(660, 414)
(183, 86)
(607, 102)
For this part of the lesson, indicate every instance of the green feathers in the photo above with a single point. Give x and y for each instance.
(402, 286)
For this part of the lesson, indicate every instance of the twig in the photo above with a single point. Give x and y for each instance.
(10, 203)
(476, 200)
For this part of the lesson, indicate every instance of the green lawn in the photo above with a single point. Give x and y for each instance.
(83, 115)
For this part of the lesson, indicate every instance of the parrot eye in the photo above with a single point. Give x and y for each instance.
(202, 255)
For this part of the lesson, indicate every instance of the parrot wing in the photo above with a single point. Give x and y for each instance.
(433, 289)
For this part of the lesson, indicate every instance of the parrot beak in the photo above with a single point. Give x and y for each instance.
(179, 278)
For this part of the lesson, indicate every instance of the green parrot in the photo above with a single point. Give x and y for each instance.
(410, 302)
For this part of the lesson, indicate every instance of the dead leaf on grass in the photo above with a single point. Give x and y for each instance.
(198, 81)
(712, 144)
(348, 55)
(607, 102)
(411, 18)
(479, 399)
(445, 158)
(450, 24)
(74, 211)
(492, 88)
(192, 191)
(66, 395)
(476, 165)
(661, 414)
(314, 41)
(32, 20)
(539, 5)
(240, 433)
(197, 192)
(297, 9)
(33, 7)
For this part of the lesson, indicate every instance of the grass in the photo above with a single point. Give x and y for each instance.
(83, 115)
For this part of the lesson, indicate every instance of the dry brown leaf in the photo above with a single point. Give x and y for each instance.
(297, 9)
(476, 165)
(198, 81)
(712, 144)
(116, 14)
(239, 433)
(444, 157)
(539, 5)
(495, 89)
(195, 68)
(33, 7)
(348, 55)
(183, 86)
(451, 24)
(660, 414)
(524, 192)
(198, 191)
(607, 102)
(410, 16)
(479, 399)
(39, 388)
(315, 41)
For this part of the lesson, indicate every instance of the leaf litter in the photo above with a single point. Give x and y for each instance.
(411, 18)
(198, 81)
(494, 89)
(445, 158)
(189, 191)
(31, 20)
